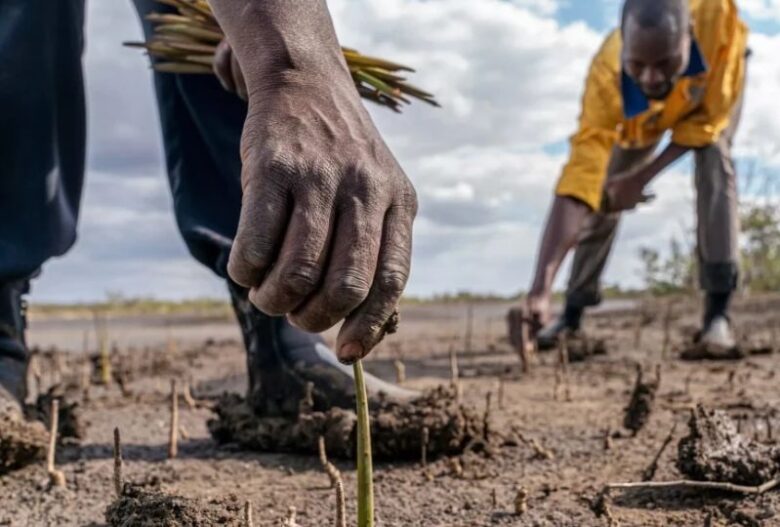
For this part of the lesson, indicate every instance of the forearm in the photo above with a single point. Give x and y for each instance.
(276, 39)
(564, 223)
(662, 161)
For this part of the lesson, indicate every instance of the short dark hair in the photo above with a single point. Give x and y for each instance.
(673, 15)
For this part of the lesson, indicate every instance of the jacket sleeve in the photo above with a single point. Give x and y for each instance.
(723, 41)
(591, 147)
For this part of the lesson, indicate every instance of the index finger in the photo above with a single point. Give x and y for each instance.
(261, 229)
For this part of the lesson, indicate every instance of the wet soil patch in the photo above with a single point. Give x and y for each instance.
(581, 347)
(396, 428)
(746, 348)
(142, 507)
(21, 443)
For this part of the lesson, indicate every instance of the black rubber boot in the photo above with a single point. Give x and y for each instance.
(13, 350)
(282, 360)
(568, 322)
(22, 442)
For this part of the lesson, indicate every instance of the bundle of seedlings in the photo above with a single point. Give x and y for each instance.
(186, 41)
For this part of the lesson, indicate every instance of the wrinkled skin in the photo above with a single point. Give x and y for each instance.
(326, 221)
(564, 221)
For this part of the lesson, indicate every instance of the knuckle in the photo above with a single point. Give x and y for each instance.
(366, 188)
(313, 320)
(265, 304)
(300, 278)
(281, 166)
(251, 256)
(349, 289)
(244, 264)
(392, 281)
(306, 323)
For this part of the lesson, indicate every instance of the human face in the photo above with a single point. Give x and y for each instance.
(655, 57)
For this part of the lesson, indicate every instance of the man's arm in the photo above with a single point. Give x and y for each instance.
(278, 40)
(580, 186)
(326, 223)
(567, 215)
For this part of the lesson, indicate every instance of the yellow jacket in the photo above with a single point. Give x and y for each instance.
(698, 109)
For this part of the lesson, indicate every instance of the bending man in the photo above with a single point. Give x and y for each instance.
(673, 66)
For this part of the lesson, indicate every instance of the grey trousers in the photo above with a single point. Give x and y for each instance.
(717, 222)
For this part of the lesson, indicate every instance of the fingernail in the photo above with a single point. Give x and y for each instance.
(351, 352)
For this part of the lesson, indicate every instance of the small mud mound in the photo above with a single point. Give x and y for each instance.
(138, 507)
(21, 443)
(70, 424)
(581, 347)
(748, 347)
(714, 451)
(396, 428)
(696, 352)
(642, 401)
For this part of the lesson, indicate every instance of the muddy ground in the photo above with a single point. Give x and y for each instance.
(559, 486)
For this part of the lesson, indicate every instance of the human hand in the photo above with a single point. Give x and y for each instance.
(325, 232)
(626, 191)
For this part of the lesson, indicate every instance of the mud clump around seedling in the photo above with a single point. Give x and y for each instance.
(21, 443)
(713, 450)
(141, 507)
(396, 428)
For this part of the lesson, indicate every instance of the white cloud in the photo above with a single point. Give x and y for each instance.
(759, 133)
(761, 9)
(542, 7)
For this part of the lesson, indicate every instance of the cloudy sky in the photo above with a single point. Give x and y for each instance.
(509, 74)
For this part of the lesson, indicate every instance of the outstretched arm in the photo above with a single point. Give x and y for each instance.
(567, 215)
(326, 223)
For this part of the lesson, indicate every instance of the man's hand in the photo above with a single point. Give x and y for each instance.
(626, 191)
(325, 232)
(326, 223)
(537, 308)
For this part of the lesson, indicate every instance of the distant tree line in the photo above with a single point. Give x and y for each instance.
(676, 271)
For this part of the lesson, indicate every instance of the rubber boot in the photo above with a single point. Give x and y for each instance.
(282, 360)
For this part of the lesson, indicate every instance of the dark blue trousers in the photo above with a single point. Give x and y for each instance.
(43, 136)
